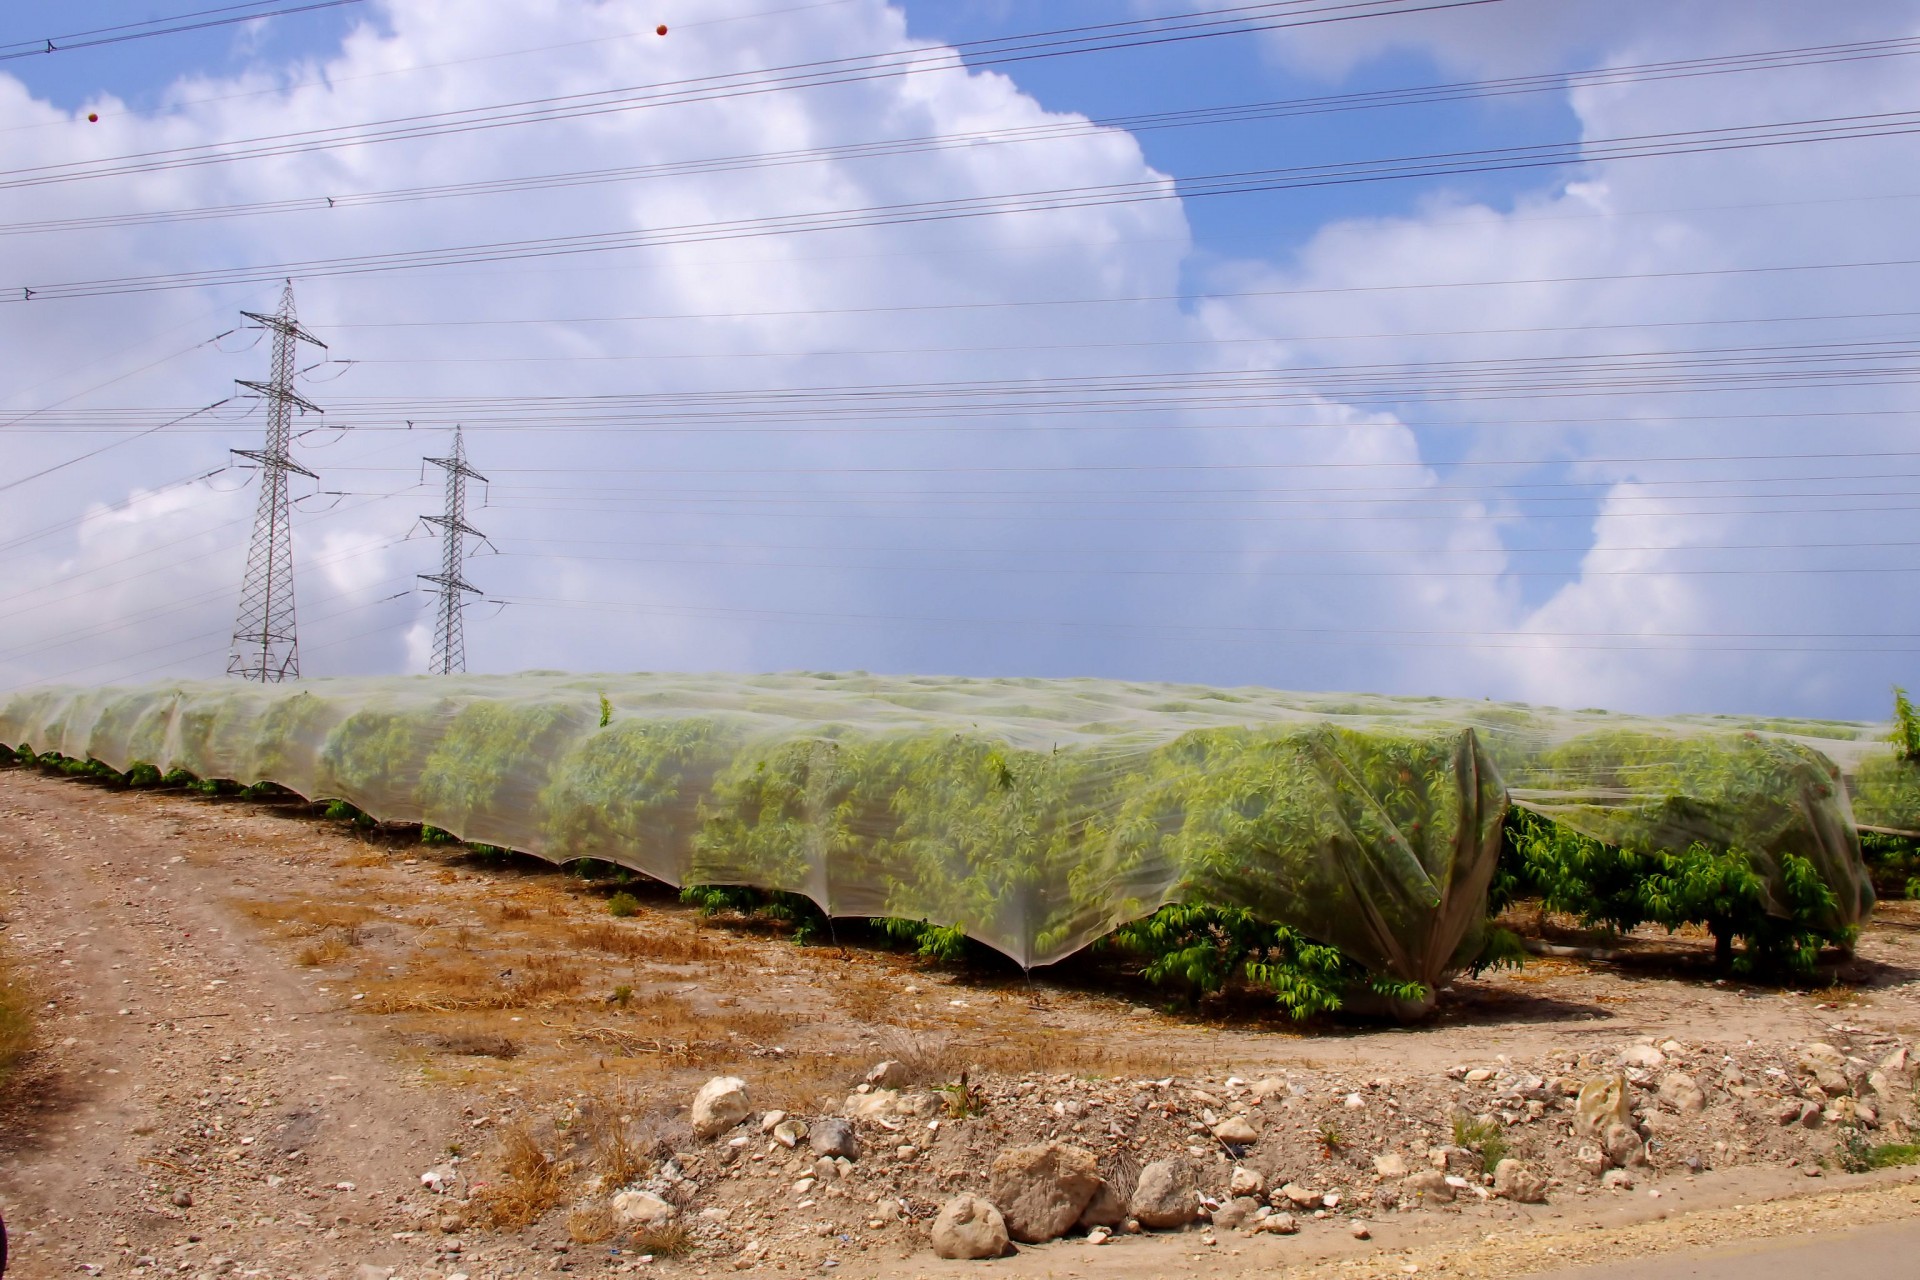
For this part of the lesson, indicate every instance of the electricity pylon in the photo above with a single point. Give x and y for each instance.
(449, 642)
(266, 646)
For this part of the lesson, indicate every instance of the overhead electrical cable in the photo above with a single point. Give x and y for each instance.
(177, 24)
(965, 55)
(1051, 130)
(1154, 189)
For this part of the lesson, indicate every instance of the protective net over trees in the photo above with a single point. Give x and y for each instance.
(1037, 815)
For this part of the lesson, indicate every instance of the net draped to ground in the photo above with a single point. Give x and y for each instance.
(1036, 815)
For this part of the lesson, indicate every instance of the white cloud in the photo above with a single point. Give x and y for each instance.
(855, 560)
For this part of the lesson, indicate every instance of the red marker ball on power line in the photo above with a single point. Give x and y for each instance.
(93, 117)
(660, 30)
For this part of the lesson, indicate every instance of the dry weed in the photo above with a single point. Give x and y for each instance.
(592, 1225)
(329, 948)
(531, 1182)
(16, 1018)
(509, 911)
(670, 1241)
(361, 861)
(635, 943)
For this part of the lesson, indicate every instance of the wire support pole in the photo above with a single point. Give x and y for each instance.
(449, 636)
(266, 644)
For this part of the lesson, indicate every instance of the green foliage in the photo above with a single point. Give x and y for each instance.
(341, 811)
(143, 774)
(1197, 949)
(946, 943)
(622, 995)
(622, 905)
(1484, 1137)
(430, 834)
(790, 910)
(1783, 918)
(1906, 728)
(606, 711)
(961, 1099)
(1500, 949)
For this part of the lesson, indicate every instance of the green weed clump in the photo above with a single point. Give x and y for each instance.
(1484, 1138)
(622, 905)
(790, 910)
(1855, 1154)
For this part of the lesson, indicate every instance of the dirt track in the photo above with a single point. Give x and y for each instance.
(289, 1025)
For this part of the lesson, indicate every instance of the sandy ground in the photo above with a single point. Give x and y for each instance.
(259, 1029)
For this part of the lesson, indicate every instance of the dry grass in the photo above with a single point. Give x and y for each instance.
(330, 948)
(447, 984)
(634, 943)
(16, 1018)
(592, 1225)
(361, 861)
(531, 1183)
(308, 917)
(507, 912)
(669, 1241)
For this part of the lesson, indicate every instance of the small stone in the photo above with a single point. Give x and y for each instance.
(1680, 1092)
(770, 1120)
(1360, 1232)
(1479, 1075)
(1623, 1145)
(1237, 1212)
(890, 1075)
(1428, 1184)
(1099, 1235)
(1590, 1159)
(1644, 1056)
(1279, 1224)
(638, 1210)
(968, 1227)
(720, 1104)
(1616, 1180)
(835, 1137)
(1269, 1087)
(803, 1185)
(181, 1198)
(1390, 1164)
(1107, 1208)
(1517, 1181)
(1296, 1195)
(1355, 1102)
(790, 1133)
(1245, 1182)
(1236, 1131)
(367, 1271)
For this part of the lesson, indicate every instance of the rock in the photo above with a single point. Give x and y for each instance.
(1386, 1199)
(1590, 1159)
(771, 1121)
(1513, 1180)
(890, 1075)
(181, 1198)
(720, 1105)
(788, 1133)
(803, 1186)
(1679, 1091)
(1359, 1231)
(968, 1227)
(1041, 1189)
(1296, 1195)
(1166, 1196)
(1828, 1067)
(1237, 1212)
(1428, 1184)
(367, 1271)
(450, 1223)
(1479, 1075)
(1280, 1224)
(1099, 1235)
(1236, 1131)
(440, 1179)
(640, 1209)
(1603, 1101)
(835, 1137)
(1390, 1164)
(826, 1170)
(889, 1104)
(1107, 1208)
(1644, 1056)
(1270, 1087)
(1245, 1182)
(1617, 1180)
(1623, 1145)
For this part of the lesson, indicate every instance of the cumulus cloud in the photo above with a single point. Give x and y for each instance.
(1308, 534)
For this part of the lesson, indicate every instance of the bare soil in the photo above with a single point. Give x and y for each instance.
(259, 1029)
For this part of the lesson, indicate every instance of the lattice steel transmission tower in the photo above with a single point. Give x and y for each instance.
(265, 644)
(449, 641)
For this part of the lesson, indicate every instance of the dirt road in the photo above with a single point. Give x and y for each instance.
(260, 1030)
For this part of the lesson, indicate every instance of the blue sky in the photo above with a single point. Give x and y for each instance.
(1667, 524)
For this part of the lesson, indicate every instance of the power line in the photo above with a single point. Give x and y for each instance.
(1052, 130)
(202, 20)
(1150, 190)
(995, 51)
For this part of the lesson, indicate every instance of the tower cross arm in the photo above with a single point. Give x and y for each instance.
(284, 394)
(453, 524)
(458, 466)
(265, 459)
(449, 581)
(280, 324)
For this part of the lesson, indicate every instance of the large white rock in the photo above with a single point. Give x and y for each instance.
(720, 1105)
(1166, 1196)
(1041, 1189)
(640, 1209)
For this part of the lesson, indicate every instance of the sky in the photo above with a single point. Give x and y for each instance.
(1545, 350)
